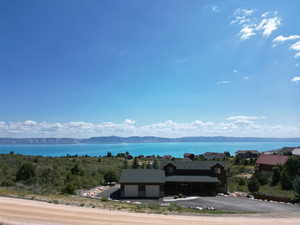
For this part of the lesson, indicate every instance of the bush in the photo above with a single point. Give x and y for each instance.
(110, 176)
(241, 181)
(104, 199)
(25, 172)
(69, 189)
(262, 178)
(275, 176)
(253, 185)
(296, 187)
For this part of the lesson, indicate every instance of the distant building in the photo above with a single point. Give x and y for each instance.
(175, 177)
(296, 151)
(167, 157)
(247, 154)
(189, 155)
(267, 162)
(214, 156)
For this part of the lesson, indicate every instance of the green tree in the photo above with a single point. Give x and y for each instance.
(25, 172)
(76, 170)
(262, 178)
(155, 164)
(149, 166)
(69, 189)
(135, 164)
(296, 187)
(253, 185)
(275, 176)
(286, 180)
(110, 176)
(125, 166)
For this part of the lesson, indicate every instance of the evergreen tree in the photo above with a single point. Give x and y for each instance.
(135, 164)
(253, 185)
(275, 176)
(125, 166)
(155, 164)
(296, 187)
(25, 172)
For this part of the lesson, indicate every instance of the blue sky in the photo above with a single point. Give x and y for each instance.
(137, 67)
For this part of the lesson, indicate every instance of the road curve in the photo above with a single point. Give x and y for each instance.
(29, 212)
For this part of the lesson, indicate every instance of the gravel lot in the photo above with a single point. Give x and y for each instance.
(240, 204)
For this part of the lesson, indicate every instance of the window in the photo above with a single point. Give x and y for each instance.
(142, 187)
(217, 170)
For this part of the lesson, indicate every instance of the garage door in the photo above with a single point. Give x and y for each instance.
(131, 190)
(152, 191)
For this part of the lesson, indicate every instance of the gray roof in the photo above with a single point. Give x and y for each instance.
(192, 165)
(142, 176)
(203, 179)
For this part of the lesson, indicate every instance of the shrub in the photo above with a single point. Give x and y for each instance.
(69, 189)
(110, 176)
(241, 181)
(25, 172)
(262, 178)
(275, 176)
(296, 187)
(104, 199)
(253, 185)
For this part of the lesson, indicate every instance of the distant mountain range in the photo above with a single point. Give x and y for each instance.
(137, 139)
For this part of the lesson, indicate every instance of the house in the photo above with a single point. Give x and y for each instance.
(266, 162)
(296, 151)
(188, 156)
(247, 154)
(214, 156)
(175, 177)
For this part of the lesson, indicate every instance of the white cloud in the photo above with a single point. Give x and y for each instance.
(129, 122)
(295, 79)
(246, 32)
(239, 125)
(268, 25)
(223, 82)
(246, 78)
(296, 47)
(251, 25)
(235, 71)
(215, 9)
(281, 39)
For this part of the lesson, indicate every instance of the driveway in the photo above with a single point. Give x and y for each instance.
(239, 204)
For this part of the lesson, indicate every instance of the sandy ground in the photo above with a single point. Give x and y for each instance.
(28, 212)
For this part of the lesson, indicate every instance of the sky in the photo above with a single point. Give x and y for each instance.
(167, 68)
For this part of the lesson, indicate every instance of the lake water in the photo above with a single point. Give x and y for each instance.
(175, 149)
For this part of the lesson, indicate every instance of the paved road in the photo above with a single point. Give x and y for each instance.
(28, 212)
(240, 204)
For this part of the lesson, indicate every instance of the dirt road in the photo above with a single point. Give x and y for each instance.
(28, 212)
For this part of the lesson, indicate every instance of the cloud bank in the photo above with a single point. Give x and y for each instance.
(239, 125)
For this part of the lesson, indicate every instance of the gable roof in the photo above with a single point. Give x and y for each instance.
(142, 176)
(192, 165)
(272, 160)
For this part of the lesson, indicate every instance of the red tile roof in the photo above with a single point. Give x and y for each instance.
(272, 159)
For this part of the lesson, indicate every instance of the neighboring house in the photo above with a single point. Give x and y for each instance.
(188, 156)
(267, 162)
(173, 178)
(214, 156)
(247, 154)
(296, 151)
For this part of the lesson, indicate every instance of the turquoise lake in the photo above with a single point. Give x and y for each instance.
(175, 149)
